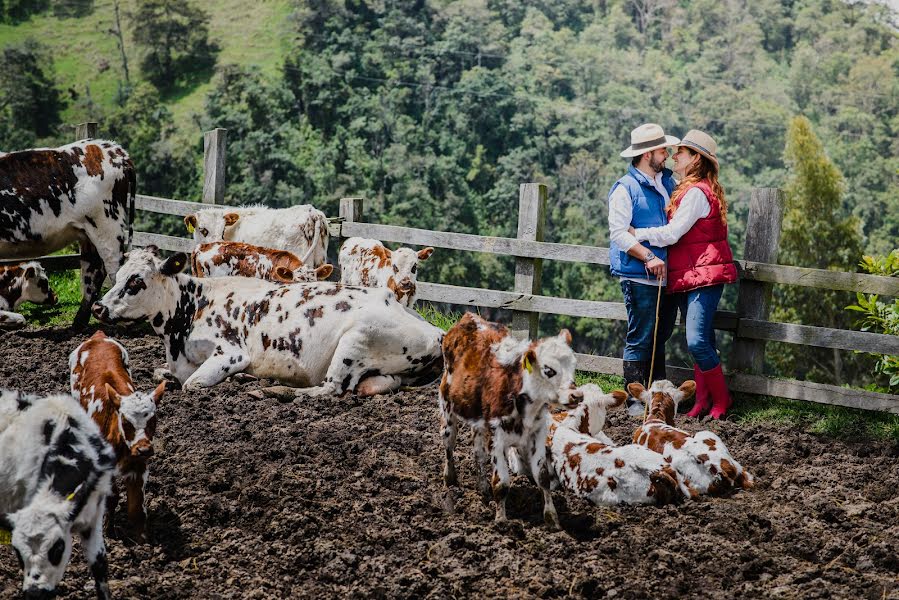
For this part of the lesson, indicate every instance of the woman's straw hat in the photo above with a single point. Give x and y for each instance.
(703, 143)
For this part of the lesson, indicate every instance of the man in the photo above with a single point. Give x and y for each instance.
(638, 200)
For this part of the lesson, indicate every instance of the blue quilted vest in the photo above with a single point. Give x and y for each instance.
(648, 211)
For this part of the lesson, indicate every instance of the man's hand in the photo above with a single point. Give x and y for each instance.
(657, 267)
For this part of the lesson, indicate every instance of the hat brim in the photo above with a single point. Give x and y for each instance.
(699, 150)
(630, 152)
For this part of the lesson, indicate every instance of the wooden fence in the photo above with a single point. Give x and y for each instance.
(748, 324)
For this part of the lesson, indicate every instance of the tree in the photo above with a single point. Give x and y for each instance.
(30, 101)
(13, 11)
(174, 36)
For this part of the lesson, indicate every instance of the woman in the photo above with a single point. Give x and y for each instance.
(700, 262)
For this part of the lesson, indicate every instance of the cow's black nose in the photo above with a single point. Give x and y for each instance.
(99, 311)
(145, 451)
(38, 594)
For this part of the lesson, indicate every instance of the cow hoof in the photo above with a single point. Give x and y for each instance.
(244, 377)
(281, 392)
(552, 521)
(162, 374)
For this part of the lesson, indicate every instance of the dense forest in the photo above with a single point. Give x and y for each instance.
(435, 111)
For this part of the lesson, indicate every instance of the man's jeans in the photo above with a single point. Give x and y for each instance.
(697, 308)
(640, 301)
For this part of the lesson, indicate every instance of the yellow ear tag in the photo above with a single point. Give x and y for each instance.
(71, 496)
(527, 364)
(190, 228)
(5, 537)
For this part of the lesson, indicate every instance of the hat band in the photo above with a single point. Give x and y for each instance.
(656, 142)
(697, 146)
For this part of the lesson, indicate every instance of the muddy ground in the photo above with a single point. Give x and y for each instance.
(333, 497)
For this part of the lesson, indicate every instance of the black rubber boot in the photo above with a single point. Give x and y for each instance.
(635, 371)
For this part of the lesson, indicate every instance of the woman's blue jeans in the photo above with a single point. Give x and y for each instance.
(697, 309)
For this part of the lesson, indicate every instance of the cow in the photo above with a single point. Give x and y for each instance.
(589, 464)
(323, 336)
(26, 282)
(100, 378)
(368, 263)
(55, 473)
(224, 259)
(83, 192)
(502, 388)
(301, 229)
(701, 458)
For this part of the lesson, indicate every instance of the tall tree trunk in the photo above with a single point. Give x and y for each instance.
(121, 41)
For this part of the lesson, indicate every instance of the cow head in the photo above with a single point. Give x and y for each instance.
(590, 416)
(404, 272)
(548, 371)
(210, 225)
(304, 273)
(42, 542)
(35, 285)
(143, 288)
(137, 418)
(662, 397)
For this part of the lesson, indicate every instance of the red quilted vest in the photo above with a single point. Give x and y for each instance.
(702, 257)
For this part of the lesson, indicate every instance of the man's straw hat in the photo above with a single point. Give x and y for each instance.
(703, 143)
(646, 138)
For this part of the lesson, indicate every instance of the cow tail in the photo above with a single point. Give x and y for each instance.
(316, 240)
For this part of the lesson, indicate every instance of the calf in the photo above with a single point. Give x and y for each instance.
(368, 263)
(101, 381)
(701, 458)
(502, 387)
(83, 192)
(588, 463)
(223, 259)
(26, 282)
(301, 229)
(55, 474)
(325, 335)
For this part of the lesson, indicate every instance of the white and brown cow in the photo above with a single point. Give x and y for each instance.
(502, 387)
(55, 473)
(589, 464)
(26, 282)
(225, 259)
(83, 192)
(301, 229)
(324, 335)
(701, 458)
(368, 263)
(101, 381)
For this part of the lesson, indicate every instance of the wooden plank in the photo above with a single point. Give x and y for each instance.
(57, 262)
(214, 166)
(529, 271)
(166, 206)
(350, 210)
(822, 337)
(818, 278)
(85, 131)
(163, 242)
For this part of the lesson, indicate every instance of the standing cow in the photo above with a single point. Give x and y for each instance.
(369, 263)
(325, 335)
(55, 474)
(26, 282)
(83, 192)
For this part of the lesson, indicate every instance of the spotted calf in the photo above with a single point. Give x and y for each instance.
(55, 473)
(101, 381)
(323, 337)
(26, 282)
(502, 388)
(701, 458)
(225, 259)
(368, 263)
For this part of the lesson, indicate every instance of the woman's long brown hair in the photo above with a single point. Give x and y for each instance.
(703, 169)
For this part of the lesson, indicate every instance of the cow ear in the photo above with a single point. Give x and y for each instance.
(231, 219)
(565, 336)
(6, 522)
(425, 253)
(113, 395)
(619, 396)
(688, 388)
(324, 271)
(174, 264)
(158, 393)
(30, 273)
(152, 249)
(190, 221)
(529, 362)
(636, 390)
(282, 273)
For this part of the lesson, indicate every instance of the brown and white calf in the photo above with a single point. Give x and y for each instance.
(368, 263)
(26, 282)
(701, 458)
(225, 259)
(101, 381)
(502, 388)
(589, 464)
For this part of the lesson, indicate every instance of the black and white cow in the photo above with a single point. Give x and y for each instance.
(55, 474)
(83, 192)
(323, 336)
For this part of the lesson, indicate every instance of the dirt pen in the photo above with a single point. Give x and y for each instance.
(334, 497)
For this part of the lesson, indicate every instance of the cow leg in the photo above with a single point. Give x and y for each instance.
(95, 554)
(449, 429)
(93, 274)
(482, 463)
(11, 320)
(135, 482)
(500, 480)
(112, 502)
(217, 368)
(539, 462)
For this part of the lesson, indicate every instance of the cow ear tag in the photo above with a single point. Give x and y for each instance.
(527, 364)
(5, 537)
(190, 228)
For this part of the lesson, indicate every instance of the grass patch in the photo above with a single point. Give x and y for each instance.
(438, 319)
(67, 286)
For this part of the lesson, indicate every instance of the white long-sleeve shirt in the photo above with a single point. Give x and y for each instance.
(693, 206)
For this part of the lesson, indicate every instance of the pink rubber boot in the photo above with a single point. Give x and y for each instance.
(717, 387)
(702, 402)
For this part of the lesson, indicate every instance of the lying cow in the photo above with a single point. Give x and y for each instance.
(224, 259)
(301, 229)
(321, 334)
(55, 473)
(589, 464)
(502, 387)
(368, 263)
(26, 282)
(101, 381)
(83, 192)
(701, 458)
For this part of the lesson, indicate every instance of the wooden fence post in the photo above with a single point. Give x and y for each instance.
(528, 271)
(85, 131)
(351, 210)
(214, 166)
(766, 208)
